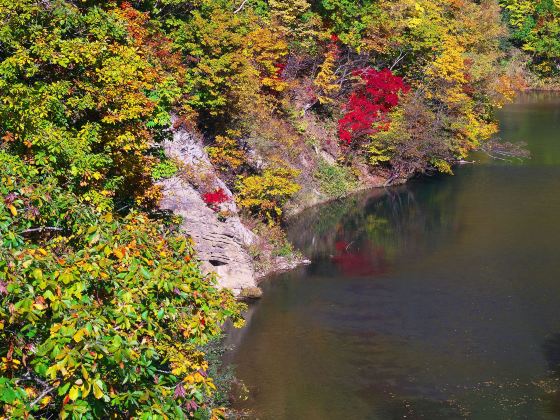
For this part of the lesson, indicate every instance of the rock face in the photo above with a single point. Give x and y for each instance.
(221, 245)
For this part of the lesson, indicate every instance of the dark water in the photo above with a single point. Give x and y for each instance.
(436, 300)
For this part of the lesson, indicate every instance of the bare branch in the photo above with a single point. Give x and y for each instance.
(401, 57)
(240, 8)
(41, 395)
(507, 151)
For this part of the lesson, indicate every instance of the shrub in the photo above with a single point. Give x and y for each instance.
(264, 195)
(335, 181)
(112, 330)
(369, 104)
(225, 153)
(164, 169)
(214, 199)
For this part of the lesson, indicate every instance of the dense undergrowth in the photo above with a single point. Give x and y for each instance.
(105, 310)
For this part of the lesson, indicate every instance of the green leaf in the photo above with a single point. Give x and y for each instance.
(63, 389)
(145, 273)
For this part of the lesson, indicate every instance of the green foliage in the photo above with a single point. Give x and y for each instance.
(78, 98)
(449, 52)
(536, 29)
(164, 169)
(102, 315)
(233, 56)
(104, 309)
(98, 324)
(264, 195)
(349, 19)
(335, 181)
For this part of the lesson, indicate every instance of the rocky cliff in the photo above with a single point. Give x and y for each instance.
(221, 243)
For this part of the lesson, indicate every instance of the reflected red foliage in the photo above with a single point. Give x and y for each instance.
(361, 262)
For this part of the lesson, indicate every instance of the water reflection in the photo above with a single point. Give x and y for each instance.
(366, 261)
(371, 229)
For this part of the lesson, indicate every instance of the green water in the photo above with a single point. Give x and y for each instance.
(435, 300)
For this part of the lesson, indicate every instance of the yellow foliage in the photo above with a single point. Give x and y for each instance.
(450, 64)
(287, 12)
(326, 80)
(520, 9)
(225, 152)
(265, 194)
(266, 49)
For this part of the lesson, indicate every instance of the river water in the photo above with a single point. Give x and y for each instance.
(435, 300)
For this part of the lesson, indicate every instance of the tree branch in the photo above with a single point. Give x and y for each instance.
(41, 395)
(42, 229)
(240, 8)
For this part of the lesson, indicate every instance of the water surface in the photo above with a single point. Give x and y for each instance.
(435, 300)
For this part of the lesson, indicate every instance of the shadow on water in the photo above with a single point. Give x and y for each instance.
(426, 301)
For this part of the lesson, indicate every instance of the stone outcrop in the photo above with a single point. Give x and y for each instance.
(221, 245)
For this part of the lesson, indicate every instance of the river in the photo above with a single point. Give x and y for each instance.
(434, 300)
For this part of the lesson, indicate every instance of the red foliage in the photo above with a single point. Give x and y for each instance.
(214, 199)
(368, 106)
(280, 67)
(333, 47)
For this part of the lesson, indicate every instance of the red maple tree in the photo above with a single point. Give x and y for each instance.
(369, 104)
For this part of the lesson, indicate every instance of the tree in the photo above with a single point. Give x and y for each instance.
(326, 80)
(104, 307)
(368, 106)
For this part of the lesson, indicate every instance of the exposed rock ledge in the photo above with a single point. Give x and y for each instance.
(220, 245)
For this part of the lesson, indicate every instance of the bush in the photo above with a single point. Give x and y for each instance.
(225, 154)
(164, 169)
(335, 181)
(264, 195)
(101, 315)
(216, 198)
(112, 330)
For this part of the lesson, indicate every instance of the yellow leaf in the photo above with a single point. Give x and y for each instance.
(12, 210)
(31, 392)
(85, 373)
(211, 385)
(38, 274)
(177, 371)
(119, 254)
(79, 336)
(74, 393)
(85, 390)
(97, 391)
